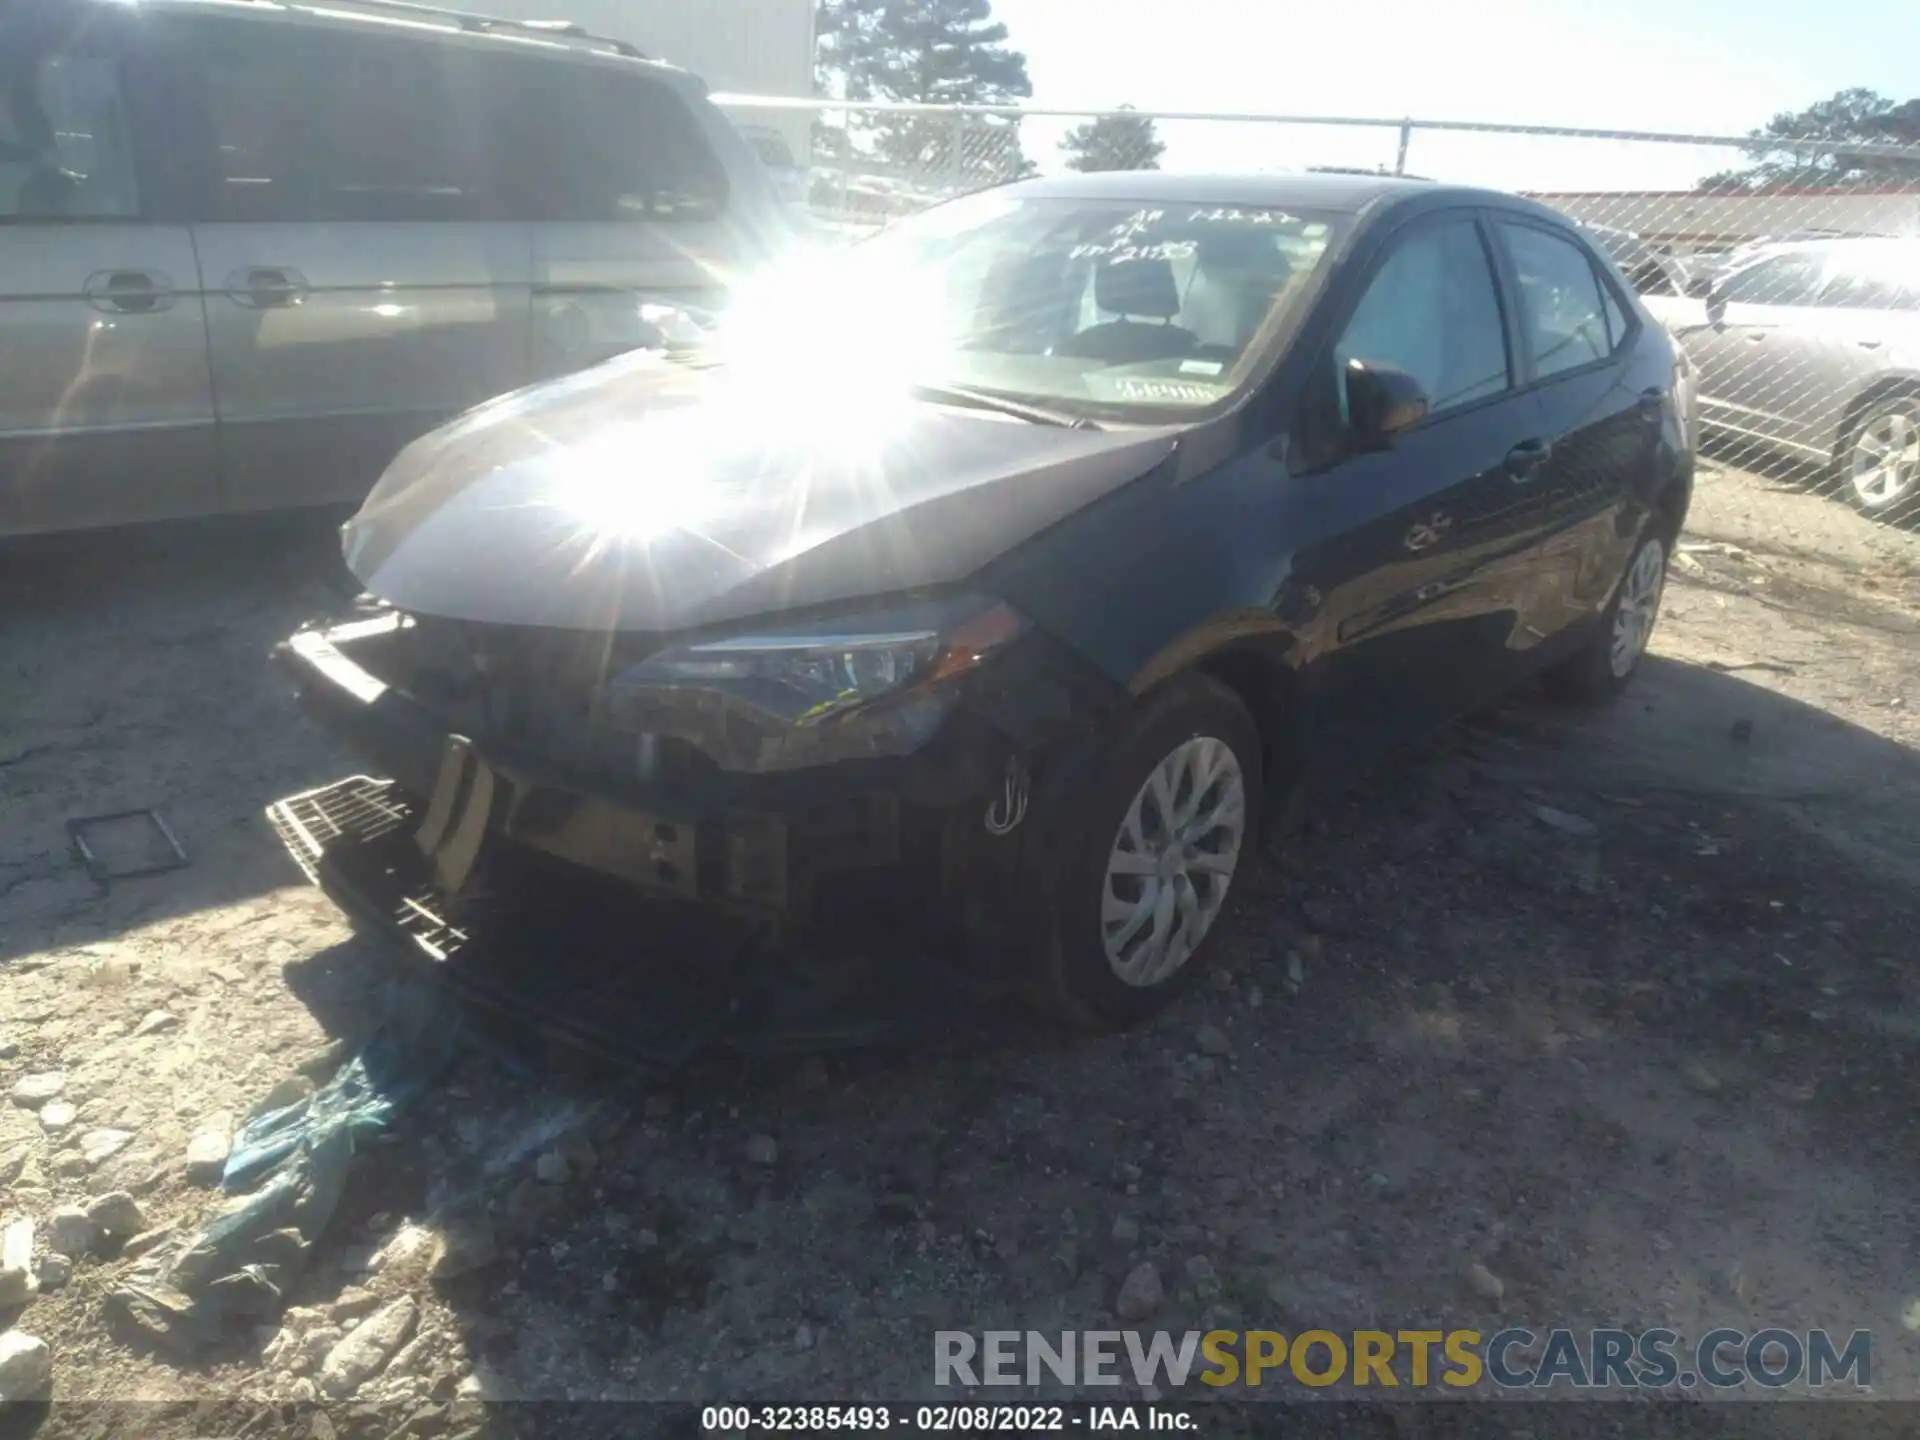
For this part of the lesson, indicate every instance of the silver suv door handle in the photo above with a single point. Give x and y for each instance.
(129, 292)
(266, 287)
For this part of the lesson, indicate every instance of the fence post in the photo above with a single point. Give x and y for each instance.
(1406, 139)
(955, 143)
(846, 161)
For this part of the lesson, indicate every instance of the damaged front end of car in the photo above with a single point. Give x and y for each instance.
(868, 788)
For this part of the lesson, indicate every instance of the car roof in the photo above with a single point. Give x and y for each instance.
(1757, 250)
(1313, 190)
(555, 40)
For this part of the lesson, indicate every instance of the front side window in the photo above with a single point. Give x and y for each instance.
(593, 144)
(332, 127)
(1101, 306)
(1562, 309)
(1781, 280)
(65, 151)
(1431, 310)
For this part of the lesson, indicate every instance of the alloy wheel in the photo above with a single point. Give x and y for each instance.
(1172, 861)
(1886, 459)
(1639, 607)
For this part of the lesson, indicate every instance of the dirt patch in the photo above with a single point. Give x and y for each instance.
(1653, 1069)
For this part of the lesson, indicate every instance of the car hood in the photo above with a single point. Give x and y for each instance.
(651, 495)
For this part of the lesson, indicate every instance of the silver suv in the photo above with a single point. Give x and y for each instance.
(249, 250)
(1813, 349)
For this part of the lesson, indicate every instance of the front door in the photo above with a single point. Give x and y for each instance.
(627, 202)
(106, 406)
(1406, 609)
(360, 289)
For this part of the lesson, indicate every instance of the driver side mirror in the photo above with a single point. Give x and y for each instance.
(1384, 402)
(1700, 287)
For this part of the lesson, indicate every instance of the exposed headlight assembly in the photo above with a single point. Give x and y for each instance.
(783, 697)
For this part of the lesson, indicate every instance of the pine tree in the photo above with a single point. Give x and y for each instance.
(1851, 118)
(940, 52)
(1114, 142)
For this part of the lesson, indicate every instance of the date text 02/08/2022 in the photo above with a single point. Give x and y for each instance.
(939, 1419)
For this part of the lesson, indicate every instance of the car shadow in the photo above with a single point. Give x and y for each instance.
(1506, 851)
(138, 672)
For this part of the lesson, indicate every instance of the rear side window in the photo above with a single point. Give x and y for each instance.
(1867, 286)
(1782, 280)
(590, 143)
(65, 151)
(1431, 310)
(1563, 312)
(320, 126)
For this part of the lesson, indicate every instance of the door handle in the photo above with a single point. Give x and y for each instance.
(266, 287)
(1526, 458)
(1754, 337)
(1869, 344)
(129, 292)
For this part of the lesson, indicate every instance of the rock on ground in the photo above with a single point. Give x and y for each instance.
(116, 1215)
(207, 1156)
(69, 1231)
(1140, 1294)
(26, 1366)
(30, 1092)
(359, 1357)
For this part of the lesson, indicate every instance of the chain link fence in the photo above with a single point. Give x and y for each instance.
(1789, 273)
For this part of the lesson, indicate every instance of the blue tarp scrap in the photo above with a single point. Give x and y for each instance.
(291, 1163)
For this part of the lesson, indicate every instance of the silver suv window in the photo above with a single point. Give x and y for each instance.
(322, 126)
(65, 153)
(596, 144)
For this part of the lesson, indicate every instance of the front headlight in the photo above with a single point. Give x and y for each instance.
(789, 696)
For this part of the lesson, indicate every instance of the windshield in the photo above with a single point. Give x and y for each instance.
(1093, 306)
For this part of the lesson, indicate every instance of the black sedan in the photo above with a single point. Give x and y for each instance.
(1016, 566)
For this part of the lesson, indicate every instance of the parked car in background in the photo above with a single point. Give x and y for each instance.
(787, 176)
(1813, 349)
(1011, 568)
(1648, 270)
(248, 252)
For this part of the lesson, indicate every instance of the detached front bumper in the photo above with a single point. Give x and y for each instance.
(925, 835)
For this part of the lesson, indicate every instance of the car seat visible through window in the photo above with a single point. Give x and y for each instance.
(1145, 297)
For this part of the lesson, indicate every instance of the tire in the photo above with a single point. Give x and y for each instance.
(1880, 461)
(1094, 972)
(1603, 666)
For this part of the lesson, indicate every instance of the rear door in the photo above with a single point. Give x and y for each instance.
(1757, 346)
(361, 287)
(1411, 593)
(106, 405)
(1602, 392)
(1868, 321)
(627, 196)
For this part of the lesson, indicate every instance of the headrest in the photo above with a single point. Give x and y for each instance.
(1137, 287)
(1239, 249)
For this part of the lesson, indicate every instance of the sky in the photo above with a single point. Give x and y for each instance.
(1697, 66)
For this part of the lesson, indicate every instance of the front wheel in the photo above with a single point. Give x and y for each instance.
(1882, 464)
(1165, 826)
(1601, 668)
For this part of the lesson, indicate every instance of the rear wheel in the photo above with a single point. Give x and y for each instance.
(1882, 465)
(1601, 668)
(1165, 827)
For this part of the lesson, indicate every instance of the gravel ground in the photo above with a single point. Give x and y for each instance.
(1461, 1059)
